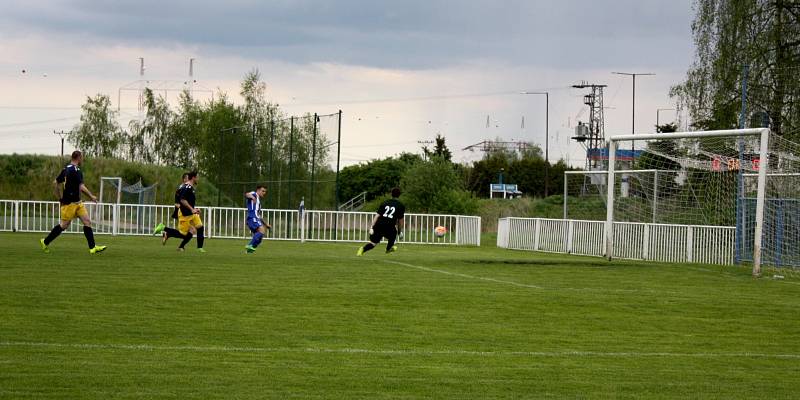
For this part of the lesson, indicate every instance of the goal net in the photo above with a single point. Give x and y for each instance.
(129, 201)
(705, 179)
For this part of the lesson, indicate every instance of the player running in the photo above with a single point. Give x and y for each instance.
(188, 216)
(254, 222)
(71, 205)
(167, 232)
(388, 223)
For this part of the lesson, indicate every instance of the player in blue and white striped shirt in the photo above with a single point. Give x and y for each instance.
(254, 221)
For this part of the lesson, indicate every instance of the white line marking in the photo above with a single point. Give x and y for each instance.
(525, 285)
(399, 352)
(464, 275)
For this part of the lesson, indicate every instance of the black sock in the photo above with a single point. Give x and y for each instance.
(172, 232)
(200, 237)
(87, 231)
(186, 239)
(53, 234)
(367, 247)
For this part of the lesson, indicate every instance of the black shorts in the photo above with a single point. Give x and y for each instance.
(379, 232)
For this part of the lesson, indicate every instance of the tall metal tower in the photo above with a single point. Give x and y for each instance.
(593, 134)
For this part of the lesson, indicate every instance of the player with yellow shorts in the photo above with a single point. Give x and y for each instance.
(189, 221)
(71, 205)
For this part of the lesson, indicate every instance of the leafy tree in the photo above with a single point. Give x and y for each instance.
(98, 133)
(728, 34)
(440, 150)
(433, 186)
(150, 139)
(376, 177)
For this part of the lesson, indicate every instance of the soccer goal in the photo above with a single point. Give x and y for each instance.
(125, 205)
(714, 180)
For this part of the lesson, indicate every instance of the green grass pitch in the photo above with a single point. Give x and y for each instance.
(313, 321)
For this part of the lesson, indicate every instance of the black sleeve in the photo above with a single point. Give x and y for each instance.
(79, 175)
(62, 176)
(401, 212)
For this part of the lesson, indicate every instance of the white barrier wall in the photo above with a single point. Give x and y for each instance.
(638, 241)
(225, 222)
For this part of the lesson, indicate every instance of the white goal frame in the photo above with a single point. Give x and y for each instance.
(613, 142)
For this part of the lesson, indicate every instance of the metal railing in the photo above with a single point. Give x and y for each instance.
(355, 203)
(229, 222)
(637, 241)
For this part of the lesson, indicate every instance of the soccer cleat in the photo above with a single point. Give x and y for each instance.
(360, 251)
(201, 250)
(181, 249)
(164, 238)
(391, 250)
(250, 249)
(159, 228)
(44, 246)
(97, 249)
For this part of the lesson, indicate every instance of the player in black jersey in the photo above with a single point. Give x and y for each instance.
(188, 216)
(71, 205)
(168, 232)
(388, 223)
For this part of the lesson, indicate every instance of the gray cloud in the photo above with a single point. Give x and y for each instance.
(413, 34)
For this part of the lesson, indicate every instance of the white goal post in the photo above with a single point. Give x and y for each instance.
(762, 133)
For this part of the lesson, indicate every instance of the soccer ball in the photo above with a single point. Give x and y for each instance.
(439, 231)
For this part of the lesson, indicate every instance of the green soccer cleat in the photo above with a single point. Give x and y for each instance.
(44, 246)
(97, 249)
(201, 250)
(250, 249)
(159, 228)
(360, 252)
(391, 250)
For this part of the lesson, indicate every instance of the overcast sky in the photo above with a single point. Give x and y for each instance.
(401, 72)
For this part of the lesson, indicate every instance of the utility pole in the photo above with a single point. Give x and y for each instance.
(633, 106)
(595, 137)
(61, 134)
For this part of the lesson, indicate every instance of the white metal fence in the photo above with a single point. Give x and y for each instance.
(638, 241)
(224, 222)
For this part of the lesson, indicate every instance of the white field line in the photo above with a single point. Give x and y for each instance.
(512, 283)
(398, 352)
(464, 275)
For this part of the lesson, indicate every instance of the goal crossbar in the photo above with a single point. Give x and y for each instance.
(612, 142)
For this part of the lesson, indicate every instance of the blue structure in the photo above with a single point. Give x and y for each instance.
(781, 241)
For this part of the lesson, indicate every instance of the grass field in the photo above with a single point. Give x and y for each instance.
(314, 321)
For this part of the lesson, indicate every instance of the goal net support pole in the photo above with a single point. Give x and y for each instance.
(763, 133)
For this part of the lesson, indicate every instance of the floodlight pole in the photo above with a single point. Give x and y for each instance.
(633, 107)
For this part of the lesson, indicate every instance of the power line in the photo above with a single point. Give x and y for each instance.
(37, 122)
(420, 98)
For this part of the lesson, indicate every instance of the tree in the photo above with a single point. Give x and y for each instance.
(439, 150)
(97, 134)
(729, 34)
(150, 139)
(433, 186)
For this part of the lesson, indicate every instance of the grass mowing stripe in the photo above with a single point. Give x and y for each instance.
(348, 350)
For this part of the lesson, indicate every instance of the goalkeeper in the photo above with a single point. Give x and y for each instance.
(254, 222)
(388, 223)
